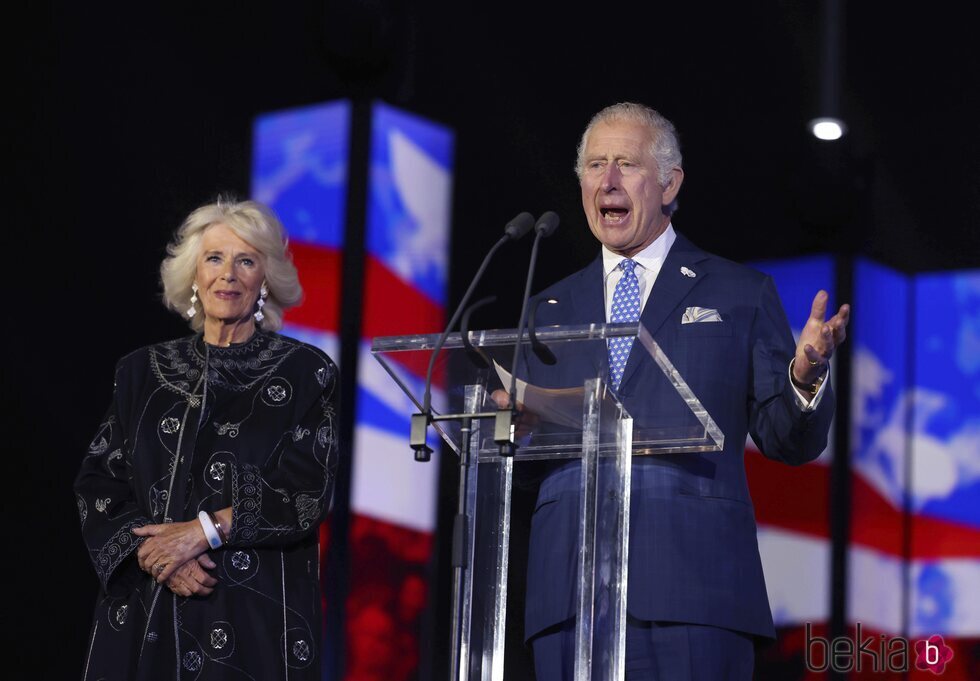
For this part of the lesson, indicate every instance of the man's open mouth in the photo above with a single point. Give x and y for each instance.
(613, 214)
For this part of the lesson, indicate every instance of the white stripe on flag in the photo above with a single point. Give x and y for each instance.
(797, 569)
(874, 590)
(945, 597)
(387, 483)
(325, 340)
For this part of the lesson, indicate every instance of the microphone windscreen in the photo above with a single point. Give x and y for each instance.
(519, 226)
(547, 223)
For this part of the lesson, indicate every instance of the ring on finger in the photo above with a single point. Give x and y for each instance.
(158, 568)
(813, 363)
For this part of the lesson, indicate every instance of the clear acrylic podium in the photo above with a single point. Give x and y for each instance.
(561, 426)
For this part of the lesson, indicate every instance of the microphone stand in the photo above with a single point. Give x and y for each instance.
(514, 230)
(503, 427)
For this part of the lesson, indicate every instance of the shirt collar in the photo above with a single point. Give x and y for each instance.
(650, 258)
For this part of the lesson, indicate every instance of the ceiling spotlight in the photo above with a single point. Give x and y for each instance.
(827, 128)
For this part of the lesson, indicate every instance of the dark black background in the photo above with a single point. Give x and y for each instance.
(125, 118)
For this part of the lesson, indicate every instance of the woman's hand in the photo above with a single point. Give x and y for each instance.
(169, 546)
(190, 579)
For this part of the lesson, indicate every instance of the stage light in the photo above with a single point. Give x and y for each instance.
(828, 128)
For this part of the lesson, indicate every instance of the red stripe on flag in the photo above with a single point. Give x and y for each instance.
(393, 307)
(791, 497)
(936, 538)
(319, 273)
(878, 524)
(875, 523)
(796, 498)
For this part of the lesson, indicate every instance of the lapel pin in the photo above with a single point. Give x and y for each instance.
(688, 273)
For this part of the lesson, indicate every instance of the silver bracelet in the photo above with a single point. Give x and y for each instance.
(210, 531)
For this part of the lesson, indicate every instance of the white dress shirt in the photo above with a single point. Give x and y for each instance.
(648, 261)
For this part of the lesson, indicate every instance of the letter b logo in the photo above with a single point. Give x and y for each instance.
(932, 653)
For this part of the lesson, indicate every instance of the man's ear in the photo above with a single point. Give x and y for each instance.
(673, 185)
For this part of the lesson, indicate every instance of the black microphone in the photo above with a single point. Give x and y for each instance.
(519, 226)
(544, 227)
(547, 224)
(513, 230)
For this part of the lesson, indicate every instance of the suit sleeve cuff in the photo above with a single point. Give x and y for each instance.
(804, 402)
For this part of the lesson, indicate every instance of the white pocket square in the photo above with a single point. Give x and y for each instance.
(696, 315)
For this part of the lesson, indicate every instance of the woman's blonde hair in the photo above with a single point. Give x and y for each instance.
(251, 222)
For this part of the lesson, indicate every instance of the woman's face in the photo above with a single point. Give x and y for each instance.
(229, 276)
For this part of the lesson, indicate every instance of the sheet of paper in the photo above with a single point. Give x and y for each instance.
(562, 406)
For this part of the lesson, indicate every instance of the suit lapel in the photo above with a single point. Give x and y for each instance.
(588, 305)
(669, 291)
(587, 298)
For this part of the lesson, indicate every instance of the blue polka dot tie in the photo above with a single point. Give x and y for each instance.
(625, 308)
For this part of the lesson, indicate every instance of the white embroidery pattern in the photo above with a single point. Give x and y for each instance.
(169, 425)
(82, 508)
(178, 364)
(241, 560)
(192, 660)
(277, 391)
(229, 429)
(102, 504)
(120, 544)
(218, 638)
(159, 500)
(218, 470)
(301, 650)
(307, 510)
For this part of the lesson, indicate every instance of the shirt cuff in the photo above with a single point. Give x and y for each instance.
(802, 401)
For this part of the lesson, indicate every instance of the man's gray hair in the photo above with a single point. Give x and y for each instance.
(665, 148)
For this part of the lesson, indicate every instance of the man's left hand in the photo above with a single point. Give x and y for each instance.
(818, 340)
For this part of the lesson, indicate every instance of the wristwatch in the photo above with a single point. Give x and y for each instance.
(810, 388)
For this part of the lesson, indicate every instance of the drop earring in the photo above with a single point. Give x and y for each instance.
(192, 310)
(263, 294)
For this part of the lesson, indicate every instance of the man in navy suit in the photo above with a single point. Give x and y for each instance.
(697, 599)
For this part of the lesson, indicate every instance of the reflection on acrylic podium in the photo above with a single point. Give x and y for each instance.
(582, 425)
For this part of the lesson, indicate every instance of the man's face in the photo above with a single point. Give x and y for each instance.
(621, 191)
